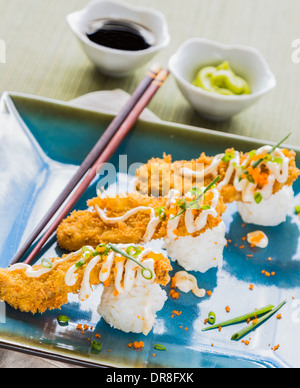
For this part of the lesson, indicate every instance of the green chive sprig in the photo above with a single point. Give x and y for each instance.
(184, 205)
(259, 161)
(242, 318)
(252, 326)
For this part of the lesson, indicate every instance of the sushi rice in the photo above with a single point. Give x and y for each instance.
(269, 212)
(133, 311)
(199, 253)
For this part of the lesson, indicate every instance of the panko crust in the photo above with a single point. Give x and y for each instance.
(170, 176)
(86, 227)
(49, 291)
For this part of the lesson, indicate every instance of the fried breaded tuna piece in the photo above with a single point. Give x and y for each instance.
(50, 291)
(87, 228)
(158, 176)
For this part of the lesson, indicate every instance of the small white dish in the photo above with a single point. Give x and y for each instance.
(245, 61)
(113, 62)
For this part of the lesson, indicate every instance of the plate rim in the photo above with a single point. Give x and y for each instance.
(6, 96)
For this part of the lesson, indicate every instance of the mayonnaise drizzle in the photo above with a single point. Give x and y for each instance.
(127, 273)
(152, 225)
(186, 282)
(192, 225)
(278, 172)
(32, 273)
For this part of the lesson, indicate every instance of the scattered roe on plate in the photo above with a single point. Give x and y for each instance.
(136, 345)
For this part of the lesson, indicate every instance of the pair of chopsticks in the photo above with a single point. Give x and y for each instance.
(99, 155)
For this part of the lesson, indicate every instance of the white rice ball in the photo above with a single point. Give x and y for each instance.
(133, 311)
(271, 212)
(199, 253)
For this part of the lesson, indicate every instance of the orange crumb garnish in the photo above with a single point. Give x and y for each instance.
(174, 294)
(227, 308)
(136, 345)
(251, 287)
(178, 313)
(209, 293)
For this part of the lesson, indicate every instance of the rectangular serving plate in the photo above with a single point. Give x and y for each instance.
(41, 145)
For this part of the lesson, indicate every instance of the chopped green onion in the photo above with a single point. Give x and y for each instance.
(252, 153)
(205, 207)
(97, 346)
(240, 319)
(297, 209)
(161, 211)
(86, 253)
(160, 347)
(277, 160)
(258, 322)
(196, 191)
(133, 251)
(147, 274)
(228, 157)
(63, 320)
(268, 158)
(122, 253)
(258, 197)
(46, 263)
(80, 263)
(106, 250)
(184, 205)
(212, 318)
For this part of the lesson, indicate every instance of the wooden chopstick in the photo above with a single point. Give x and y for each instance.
(90, 159)
(102, 159)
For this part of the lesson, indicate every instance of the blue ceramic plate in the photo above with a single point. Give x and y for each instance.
(42, 142)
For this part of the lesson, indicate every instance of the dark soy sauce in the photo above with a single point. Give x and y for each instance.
(120, 35)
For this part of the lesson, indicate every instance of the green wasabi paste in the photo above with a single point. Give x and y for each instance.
(221, 80)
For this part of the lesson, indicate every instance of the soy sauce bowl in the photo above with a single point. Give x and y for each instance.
(115, 62)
